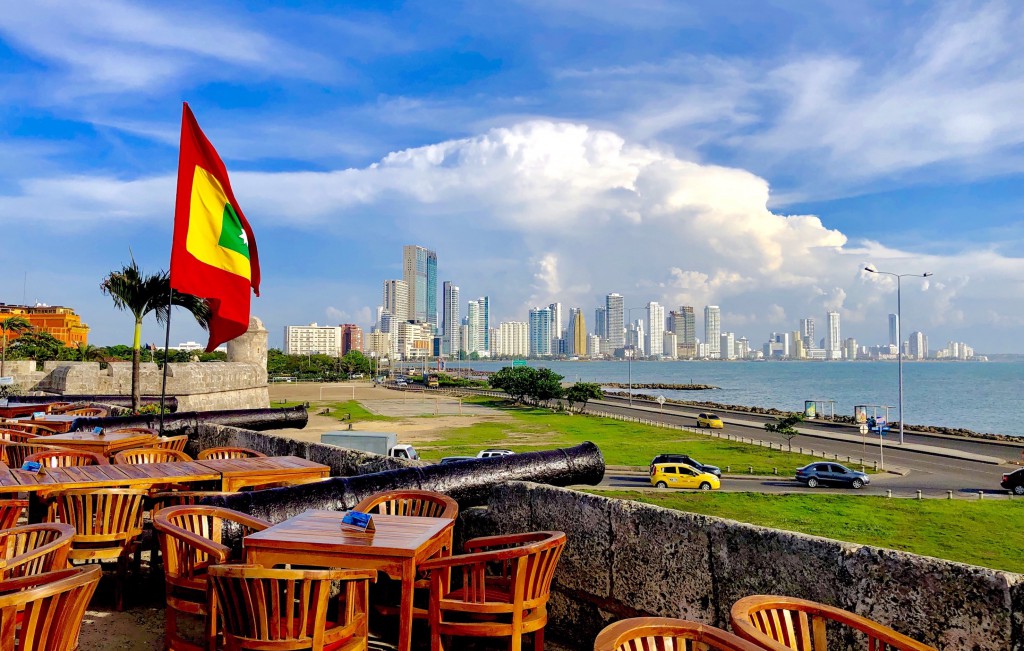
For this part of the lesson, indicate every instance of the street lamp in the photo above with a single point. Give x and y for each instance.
(899, 335)
(629, 357)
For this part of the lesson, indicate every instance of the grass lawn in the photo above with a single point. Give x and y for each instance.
(622, 443)
(355, 409)
(979, 533)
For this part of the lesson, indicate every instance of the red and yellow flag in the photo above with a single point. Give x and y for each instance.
(214, 252)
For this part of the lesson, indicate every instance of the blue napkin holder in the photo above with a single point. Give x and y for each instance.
(32, 466)
(359, 520)
(37, 415)
(97, 430)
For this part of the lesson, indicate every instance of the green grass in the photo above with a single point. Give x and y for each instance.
(622, 443)
(355, 409)
(983, 533)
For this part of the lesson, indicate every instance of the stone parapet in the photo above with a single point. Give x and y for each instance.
(627, 559)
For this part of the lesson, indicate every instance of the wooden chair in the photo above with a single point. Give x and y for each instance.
(34, 549)
(503, 592)
(45, 611)
(167, 498)
(427, 504)
(87, 412)
(140, 430)
(16, 453)
(65, 407)
(11, 511)
(789, 624)
(665, 633)
(270, 609)
(150, 455)
(228, 453)
(172, 443)
(39, 430)
(16, 435)
(191, 540)
(107, 525)
(67, 458)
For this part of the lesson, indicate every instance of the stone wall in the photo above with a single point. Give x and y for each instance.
(239, 383)
(626, 559)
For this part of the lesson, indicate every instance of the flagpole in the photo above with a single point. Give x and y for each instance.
(167, 345)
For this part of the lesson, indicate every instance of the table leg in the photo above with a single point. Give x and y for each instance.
(405, 608)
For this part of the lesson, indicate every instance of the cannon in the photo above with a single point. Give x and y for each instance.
(188, 421)
(469, 482)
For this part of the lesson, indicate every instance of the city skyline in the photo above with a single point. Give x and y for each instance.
(752, 158)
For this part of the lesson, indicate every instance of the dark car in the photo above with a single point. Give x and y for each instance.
(688, 460)
(830, 474)
(447, 460)
(1014, 482)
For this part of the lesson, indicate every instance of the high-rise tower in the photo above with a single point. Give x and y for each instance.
(540, 331)
(615, 333)
(713, 330)
(395, 300)
(894, 329)
(834, 342)
(450, 320)
(655, 329)
(419, 271)
(576, 333)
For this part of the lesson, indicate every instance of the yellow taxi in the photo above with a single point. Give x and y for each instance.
(710, 420)
(678, 475)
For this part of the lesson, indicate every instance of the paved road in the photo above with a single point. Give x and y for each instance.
(931, 474)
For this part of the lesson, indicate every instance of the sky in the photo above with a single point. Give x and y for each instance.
(752, 154)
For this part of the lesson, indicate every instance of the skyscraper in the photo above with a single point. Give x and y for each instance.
(576, 332)
(614, 331)
(395, 300)
(807, 332)
(834, 347)
(419, 271)
(540, 331)
(918, 345)
(713, 330)
(684, 324)
(479, 322)
(655, 329)
(450, 320)
(894, 330)
(601, 322)
(514, 339)
(556, 326)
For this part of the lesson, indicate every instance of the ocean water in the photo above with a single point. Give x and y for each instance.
(981, 396)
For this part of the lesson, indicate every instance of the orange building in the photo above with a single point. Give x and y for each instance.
(61, 322)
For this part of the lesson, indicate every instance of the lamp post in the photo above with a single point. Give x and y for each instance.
(629, 356)
(899, 335)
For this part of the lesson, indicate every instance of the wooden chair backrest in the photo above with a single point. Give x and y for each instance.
(11, 511)
(34, 549)
(17, 452)
(782, 623)
(421, 503)
(39, 430)
(93, 412)
(16, 435)
(140, 430)
(65, 407)
(192, 536)
(168, 499)
(287, 609)
(172, 442)
(150, 455)
(228, 453)
(108, 517)
(665, 634)
(67, 458)
(45, 611)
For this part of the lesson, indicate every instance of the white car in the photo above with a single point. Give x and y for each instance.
(485, 454)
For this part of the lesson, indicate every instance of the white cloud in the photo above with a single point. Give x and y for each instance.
(546, 211)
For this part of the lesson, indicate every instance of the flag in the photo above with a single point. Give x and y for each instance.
(213, 255)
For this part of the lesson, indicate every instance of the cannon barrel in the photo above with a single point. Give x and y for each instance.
(189, 421)
(469, 482)
(170, 402)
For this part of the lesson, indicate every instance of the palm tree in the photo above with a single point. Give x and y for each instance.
(11, 324)
(141, 294)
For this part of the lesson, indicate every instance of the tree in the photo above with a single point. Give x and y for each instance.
(38, 345)
(785, 426)
(581, 392)
(517, 381)
(547, 386)
(354, 362)
(17, 324)
(142, 294)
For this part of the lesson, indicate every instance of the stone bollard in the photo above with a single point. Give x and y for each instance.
(888, 493)
(849, 459)
(728, 468)
(949, 495)
(750, 470)
(981, 495)
(775, 471)
(876, 465)
(919, 495)
(801, 450)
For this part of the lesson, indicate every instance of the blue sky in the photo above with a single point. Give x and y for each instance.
(754, 155)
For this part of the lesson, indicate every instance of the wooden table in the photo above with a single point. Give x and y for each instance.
(16, 409)
(110, 476)
(318, 538)
(236, 474)
(59, 422)
(106, 444)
